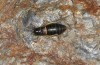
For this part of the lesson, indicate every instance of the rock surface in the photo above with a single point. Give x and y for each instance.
(78, 45)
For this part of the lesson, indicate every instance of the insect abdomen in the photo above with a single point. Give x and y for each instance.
(50, 29)
(55, 28)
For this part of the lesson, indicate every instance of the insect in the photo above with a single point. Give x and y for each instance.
(50, 29)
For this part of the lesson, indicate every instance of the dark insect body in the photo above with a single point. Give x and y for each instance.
(50, 29)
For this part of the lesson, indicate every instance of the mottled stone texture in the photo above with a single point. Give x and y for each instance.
(78, 45)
